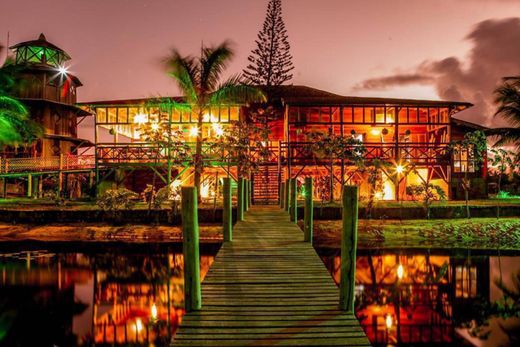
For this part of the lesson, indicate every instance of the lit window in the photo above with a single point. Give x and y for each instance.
(463, 161)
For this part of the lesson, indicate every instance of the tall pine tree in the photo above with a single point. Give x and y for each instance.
(270, 63)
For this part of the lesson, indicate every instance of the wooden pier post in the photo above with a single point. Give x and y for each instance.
(29, 186)
(286, 194)
(227, 216)
(308, 223)
(246, 195)
(190, 248)
(348, 248)
(281, 195)
(293, 205)
(240, 200)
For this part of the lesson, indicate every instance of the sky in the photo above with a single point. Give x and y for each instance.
(421, 49)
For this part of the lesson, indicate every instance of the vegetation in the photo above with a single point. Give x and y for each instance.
(199, 79)
(474, 146)
(427, 192)
(271, 60)
(507, 97)
(16, 127)
(115, 200)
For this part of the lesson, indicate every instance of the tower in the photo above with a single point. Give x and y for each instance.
(49, 92)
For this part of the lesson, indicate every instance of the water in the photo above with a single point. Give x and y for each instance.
(427, 297)
(119, 296)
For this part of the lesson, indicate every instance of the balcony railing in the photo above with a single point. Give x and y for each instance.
(64, 162)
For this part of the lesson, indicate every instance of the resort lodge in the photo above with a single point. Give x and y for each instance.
(412, 138)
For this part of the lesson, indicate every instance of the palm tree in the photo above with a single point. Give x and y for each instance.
(199, 79)
(16, 127)
(507, 96)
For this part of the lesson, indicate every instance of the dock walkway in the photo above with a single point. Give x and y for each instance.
(269, 288)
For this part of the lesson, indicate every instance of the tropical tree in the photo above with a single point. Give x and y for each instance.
(474, 146)
(199, 79)
(507, 97)
(16, 127)
(270, 63)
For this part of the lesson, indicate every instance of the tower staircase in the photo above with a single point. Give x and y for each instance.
(265, 185)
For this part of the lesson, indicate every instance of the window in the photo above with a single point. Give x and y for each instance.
(463, 161)
(101, 115)
(465, 281)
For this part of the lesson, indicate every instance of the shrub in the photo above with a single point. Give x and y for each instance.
(114, 200)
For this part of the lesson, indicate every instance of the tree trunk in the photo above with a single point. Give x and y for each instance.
(198, 157)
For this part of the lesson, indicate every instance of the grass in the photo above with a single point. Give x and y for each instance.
(477, 233)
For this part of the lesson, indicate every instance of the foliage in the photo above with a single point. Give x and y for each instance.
(243, 144)
(428, 193)
(270, 63)
(375, 182)
(16, 126)
(504, 161)
(507, 97)
(199, 80)
(114, 200)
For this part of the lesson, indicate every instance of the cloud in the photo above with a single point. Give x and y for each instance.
(495, 53)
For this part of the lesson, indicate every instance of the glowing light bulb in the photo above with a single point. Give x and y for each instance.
(389, 321)
(399, 169)
(378, 195)
(217, 128)
(400, 271)
(140, 118)
(375, 132)
(155, 126)
(63, 70)
(154, 311)
(138, 325)
(194, 131)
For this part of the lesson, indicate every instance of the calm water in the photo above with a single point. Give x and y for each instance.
(126, 296)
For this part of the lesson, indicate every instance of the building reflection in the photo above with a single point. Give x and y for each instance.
(414, 297)
(118, 298)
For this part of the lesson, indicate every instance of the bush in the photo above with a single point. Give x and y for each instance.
(117, 199)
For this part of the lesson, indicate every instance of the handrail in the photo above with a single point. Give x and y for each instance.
(54, 163)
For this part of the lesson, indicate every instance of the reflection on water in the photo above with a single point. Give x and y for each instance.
(69, 299)
(421, 297)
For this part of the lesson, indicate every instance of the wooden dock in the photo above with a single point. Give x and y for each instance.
(269, 288)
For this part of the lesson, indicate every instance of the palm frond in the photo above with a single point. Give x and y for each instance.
(235, 91)
(186, 72)
(507, 97)
(213, 62)
(505, 136)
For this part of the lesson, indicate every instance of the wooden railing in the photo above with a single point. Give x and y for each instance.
(55, 163)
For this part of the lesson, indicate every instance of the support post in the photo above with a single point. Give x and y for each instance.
(35, 186)
(29, 186)
(286, 194)
(5, 187)
(293, 208)
(282, 195)
(250, 197)
(348, 248)
(60, 175)
(246, 195)
(190, 248)
(309, 215)
(227, 227)
(240, 200)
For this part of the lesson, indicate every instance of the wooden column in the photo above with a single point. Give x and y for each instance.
(227, 216)
(348, 248)
(60, 176)
(309, 206)
(246, 195)
(35, 187)
(190, 249)
(286, 194)
(281, 195)
(29, 186)
(250, 196)
(293, 208)
(240, 200)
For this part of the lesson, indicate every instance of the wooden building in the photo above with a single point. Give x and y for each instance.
(404, 133)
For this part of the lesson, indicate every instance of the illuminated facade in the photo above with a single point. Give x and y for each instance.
(405, 134)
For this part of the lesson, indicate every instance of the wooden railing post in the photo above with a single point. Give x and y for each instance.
(286, 194)
(309, 206)
(227, 216)
(281, 195)
(190, 248)
(29, 186)
(348, 248)
(250, 196)
(293, 208)
(60, 175)
(240, 200)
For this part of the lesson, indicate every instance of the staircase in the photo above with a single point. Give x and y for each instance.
(265, 185)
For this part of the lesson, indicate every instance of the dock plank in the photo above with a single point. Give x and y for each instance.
(269, 288)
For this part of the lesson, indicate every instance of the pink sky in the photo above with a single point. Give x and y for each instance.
(117, 45)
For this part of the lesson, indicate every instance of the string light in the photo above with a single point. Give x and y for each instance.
(140, 118)
(400, 271)
(154, 311)
(389, 321)
(194, 131)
